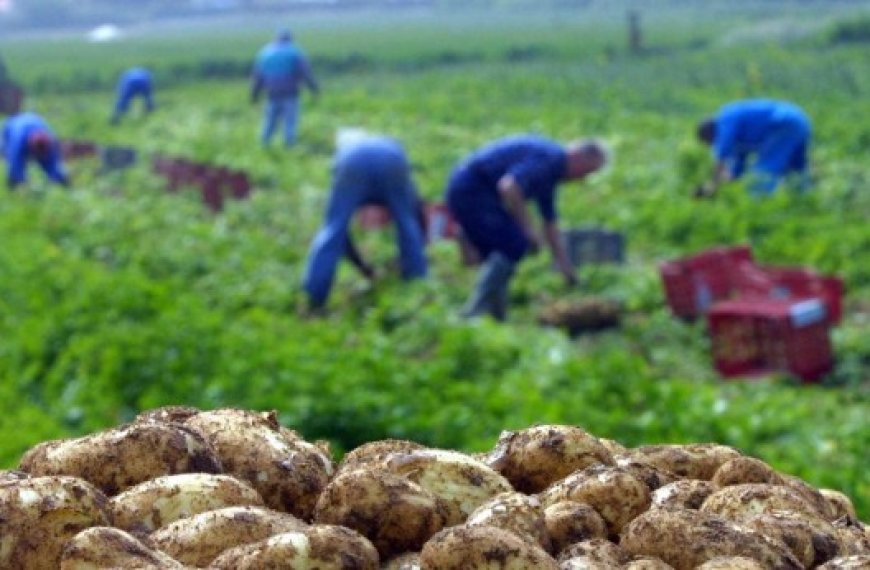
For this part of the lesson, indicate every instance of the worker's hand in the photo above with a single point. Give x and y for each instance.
(706, 190)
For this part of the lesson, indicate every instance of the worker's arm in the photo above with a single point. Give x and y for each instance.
(512, 197)
(721, 175)
(557, 247)
(256, 85)
(353, 255)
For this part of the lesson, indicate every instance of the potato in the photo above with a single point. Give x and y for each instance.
(12, 475)
(38, 515)
(840, 504)
(199, 539)
(686, 538)
(731, 563)
(569, 522)
(534, 458)
(482, 548)
(689, 461)
(395, 513)
(156, 503)
(653, 476)
(812, 543)
(168, 414)
(735, 501)
(105, 548)
(614, 493)
(859, 562)
(682, 494)
(117, 459)
(647, 563)
(462, 481)
(288, 472)
(614, 447)
(583, 563)
(854, 536)
(321, 547)
(521, 514)
(745, 470)
(598, 550)
(374, 452)
(811, 495)
(407, 561)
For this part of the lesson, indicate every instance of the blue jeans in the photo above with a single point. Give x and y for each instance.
(375, 171)
(784, 150)
(276, 109)
(126, 96)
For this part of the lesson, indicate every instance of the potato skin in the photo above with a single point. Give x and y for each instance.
(682, 494)
(374, 453)
(689, 461)
(569, 522)
(156, 503)
(812, 543)
(396, 514)
(745, 470)
(521, 514)
(687, 538)
(288, 472)
(105, 548)
(482, 547)
(856, 562)
(597, 550)
(615, 494)
(407, 561)
(653, 476)
(463, 482)
(735, 501)
(38, 515)
(840, 504)
(324, 547)
(117, 459)
(199, 539)
(647, 563)
(534, 458)
(731, 563)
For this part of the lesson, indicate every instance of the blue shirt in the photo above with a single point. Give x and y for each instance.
(280, 68)
(16, 131)
(136, 79)
(536, 163)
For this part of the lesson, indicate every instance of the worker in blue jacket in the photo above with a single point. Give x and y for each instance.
(770, 138)
(281, 70)
(487, 194)
(366, 169)
(133, 83)
(27, 136)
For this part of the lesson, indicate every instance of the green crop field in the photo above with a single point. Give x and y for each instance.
(119, 296)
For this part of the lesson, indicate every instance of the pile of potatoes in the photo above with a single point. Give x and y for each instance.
(234, 489)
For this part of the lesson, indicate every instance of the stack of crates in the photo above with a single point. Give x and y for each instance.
(692, 284)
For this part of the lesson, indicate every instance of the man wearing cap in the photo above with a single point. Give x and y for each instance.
(366, 169)
(281, 70)
(26, 136)
(133, 83)
(487, 195)
(774, 135)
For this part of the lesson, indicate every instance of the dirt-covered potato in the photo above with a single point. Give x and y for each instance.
(374, 452)
(534, 458)
(38, 515)
(731, 563)
(745, 470)
(117, 459)
(812, 542)
(598, 550)
(407, 561)
(199, 539)
(482, 548)
(735, 501)
(569, 522)
(168, 414)
(614, 447)
(840, 503)
(107, 548)
(521, 514)
(647, 563)
(811, 495)
(688, 538)
(148, 506)
(615, 494)
(321, 547)
(854, 536)
(288, 472)
(11, 475)
(682, 494)
(859, 562)
(689, 461)
(583, 563)
(395, 513)
(653, 476)
(462, 481)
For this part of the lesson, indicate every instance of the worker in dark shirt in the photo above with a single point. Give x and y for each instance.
(487, 194)
(26, 137)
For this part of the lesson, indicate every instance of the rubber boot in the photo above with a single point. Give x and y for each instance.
(490, 291)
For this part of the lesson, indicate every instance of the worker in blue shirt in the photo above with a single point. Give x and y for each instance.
(366, 169)
(281, 69)
(487, 195)
(771, 138)
(27, 136)
(133, 83)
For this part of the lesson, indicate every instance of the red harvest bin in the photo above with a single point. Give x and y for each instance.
(692, 284)
(755, 336)
(802, 283)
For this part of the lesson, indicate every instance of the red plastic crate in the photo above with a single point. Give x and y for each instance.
(692, 284)
(802, 283)
(70, 149)
(755, 336)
